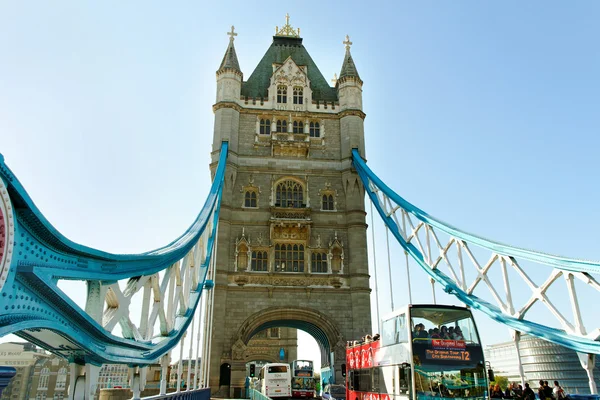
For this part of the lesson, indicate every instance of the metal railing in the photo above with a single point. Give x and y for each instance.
(256, 395)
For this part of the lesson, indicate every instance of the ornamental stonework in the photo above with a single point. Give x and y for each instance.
(287, 280)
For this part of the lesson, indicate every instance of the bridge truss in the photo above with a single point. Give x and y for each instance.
(163, 286)
(166, 284)
(462, 263)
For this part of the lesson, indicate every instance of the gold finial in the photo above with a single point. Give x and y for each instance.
(287, 29)
(232, 34)
(334, 81)
(347, 42)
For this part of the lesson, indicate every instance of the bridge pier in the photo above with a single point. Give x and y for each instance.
(516, 335)
(137, 381)
(588, 361)
(164, 364)
(84, 381)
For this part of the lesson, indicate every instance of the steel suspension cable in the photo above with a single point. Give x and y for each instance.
(387, 238)
(406, 256)
(375, 269)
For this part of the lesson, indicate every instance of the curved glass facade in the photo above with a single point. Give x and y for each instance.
(541, 360)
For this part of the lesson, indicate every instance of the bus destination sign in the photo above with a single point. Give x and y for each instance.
(454, 355)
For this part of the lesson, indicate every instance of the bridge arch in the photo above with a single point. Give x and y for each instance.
(308, 320)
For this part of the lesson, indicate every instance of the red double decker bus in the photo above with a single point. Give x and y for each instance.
(425, 352)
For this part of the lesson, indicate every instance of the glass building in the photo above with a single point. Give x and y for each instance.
(541, 360)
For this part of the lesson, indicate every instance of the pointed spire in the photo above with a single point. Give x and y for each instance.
(230, 60)
(348, 68)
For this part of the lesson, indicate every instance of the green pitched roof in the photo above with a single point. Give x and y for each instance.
(257, 84)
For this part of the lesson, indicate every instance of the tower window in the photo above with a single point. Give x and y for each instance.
(250, 199)
(298, 94)
(298, 127)
(282, 94)
(289, 194)
(289, 257)
(315, 129)
(328, 204)
(318, 262)
(281, 125)
(265, 127)
(259, 261)
(274, 333)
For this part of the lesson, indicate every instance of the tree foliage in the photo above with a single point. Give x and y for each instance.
(500, 380)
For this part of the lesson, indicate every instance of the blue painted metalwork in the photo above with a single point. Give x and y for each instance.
(6, 374)
(372, 184)
(33, 307)
(257, 395)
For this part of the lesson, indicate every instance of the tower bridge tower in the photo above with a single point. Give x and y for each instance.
(291, 247)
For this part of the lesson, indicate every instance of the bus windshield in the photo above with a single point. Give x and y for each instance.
(442, 323)
(447, 354)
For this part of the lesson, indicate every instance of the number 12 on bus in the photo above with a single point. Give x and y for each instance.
(425, 352)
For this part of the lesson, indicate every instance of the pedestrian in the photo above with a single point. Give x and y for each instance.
(497, 392)
(517, 391)
(541, 392)
(558, 391)
(548, 391)
(528, 393)
(508, 394)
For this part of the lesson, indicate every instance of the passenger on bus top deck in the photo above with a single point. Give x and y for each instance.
(444, 332)
(420, 332)
(458, 335)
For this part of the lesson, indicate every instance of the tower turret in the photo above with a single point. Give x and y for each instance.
(229, 75)
(229, 86)
(349, 86)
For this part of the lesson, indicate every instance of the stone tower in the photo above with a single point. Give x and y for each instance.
(292, 246)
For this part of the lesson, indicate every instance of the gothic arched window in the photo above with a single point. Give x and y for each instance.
(259, 261)
(61, 379)
(328, 204)
(318, 262)
(315, 129)
(289, 257)
(250, 199)
(242, 257)
(281, 125)
(282, 94)
(44, 376)
(298, 94)
(265, 127)
(289, 194)
(274, 333)
(298, 127)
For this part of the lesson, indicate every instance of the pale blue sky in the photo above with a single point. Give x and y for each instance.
(484, 114)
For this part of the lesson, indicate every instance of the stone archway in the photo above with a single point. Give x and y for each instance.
(312, 321)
